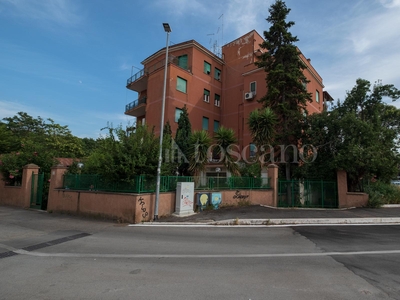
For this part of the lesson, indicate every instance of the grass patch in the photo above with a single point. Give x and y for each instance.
(243, 203)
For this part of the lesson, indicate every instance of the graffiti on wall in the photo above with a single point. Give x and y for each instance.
(142, 204)
(238, 195)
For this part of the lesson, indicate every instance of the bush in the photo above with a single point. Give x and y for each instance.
(382, 193)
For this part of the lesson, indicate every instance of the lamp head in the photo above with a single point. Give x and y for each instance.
(167, 28)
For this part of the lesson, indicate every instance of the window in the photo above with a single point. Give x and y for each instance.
(183, 61)
(217, 100)
(317, 96)
(181, 84)
(178, 112)
(216, 125)
(205, 123)
(207, 68)
(206, 96)
(253, 87)
(252, 150)
(305, 85)
(217, 74)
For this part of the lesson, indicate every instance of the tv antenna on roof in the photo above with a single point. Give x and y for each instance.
(221, 17)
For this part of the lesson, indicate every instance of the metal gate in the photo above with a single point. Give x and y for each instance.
(307, 193)
(37, 191)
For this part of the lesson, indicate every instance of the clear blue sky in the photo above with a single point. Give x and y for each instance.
(69, 59)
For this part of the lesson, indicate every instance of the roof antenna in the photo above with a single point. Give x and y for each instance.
(222, 30)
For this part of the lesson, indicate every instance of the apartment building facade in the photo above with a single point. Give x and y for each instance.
(216, 91)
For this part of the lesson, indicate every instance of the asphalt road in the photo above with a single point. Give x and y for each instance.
(47, 256)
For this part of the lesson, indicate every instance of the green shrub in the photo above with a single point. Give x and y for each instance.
(382, 193)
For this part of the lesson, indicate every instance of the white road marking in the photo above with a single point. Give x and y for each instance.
(200, 225)
(263, 255)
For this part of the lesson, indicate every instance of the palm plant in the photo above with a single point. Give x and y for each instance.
(262, 123)
(226, 139)
(199, 144)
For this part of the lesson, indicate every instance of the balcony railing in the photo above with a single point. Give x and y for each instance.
(160, 64)
(135, 77)
(135, 103)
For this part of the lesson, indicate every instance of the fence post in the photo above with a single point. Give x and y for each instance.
(342, 188)
(26, 183)
(56, 181)
(273, 175)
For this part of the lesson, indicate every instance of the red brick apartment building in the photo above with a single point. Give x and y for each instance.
(217, 91)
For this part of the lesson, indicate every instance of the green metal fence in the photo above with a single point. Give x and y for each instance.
(147, 183)
(36, 200)
(307, 193)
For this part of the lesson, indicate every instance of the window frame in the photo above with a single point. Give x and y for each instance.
(216, 122)
(217, 102)
(254, 91)
(217, 71)
(177, 84)
(206, 97)
(207, 120)
(180, 112)
(179, 61)
(317, 96)
(252, 150)
(208, 65)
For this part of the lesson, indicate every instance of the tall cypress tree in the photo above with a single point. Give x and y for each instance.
(182, 138)
(286, 93)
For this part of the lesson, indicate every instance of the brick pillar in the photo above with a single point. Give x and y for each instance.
(342, 188)
(56, 181)
(26, 184)
(273, 176)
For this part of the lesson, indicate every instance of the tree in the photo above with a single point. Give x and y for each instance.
(8, 141)
(286, 94)
(182, 138)
(169, 165)
(25, 139)
(360, 135)
(200, 143)
(226, 140)
(122, 155)
(262, 123)
(88, 145)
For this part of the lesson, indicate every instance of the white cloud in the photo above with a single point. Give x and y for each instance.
(378, 31)
(61, 12)
(244, 16)
(390, 3)
(11, 108)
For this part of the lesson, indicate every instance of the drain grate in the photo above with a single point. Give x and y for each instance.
(46, 244)
(55, 242)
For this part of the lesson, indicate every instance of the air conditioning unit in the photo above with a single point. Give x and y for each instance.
(248, 96)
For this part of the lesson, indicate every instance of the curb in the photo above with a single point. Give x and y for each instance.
(330, 221)
(272, 222)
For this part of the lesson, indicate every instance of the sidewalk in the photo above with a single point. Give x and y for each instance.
(261, 215)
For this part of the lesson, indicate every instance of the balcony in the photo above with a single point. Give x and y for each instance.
(138, 82)
(136, 108)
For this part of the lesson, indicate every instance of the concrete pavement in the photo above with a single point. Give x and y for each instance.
(262, 215)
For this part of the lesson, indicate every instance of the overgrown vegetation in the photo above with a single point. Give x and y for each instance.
(381, 193)
(122, 154)
(24, 140)
(359, 135)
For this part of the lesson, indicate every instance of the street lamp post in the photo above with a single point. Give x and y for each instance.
(167, 29)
